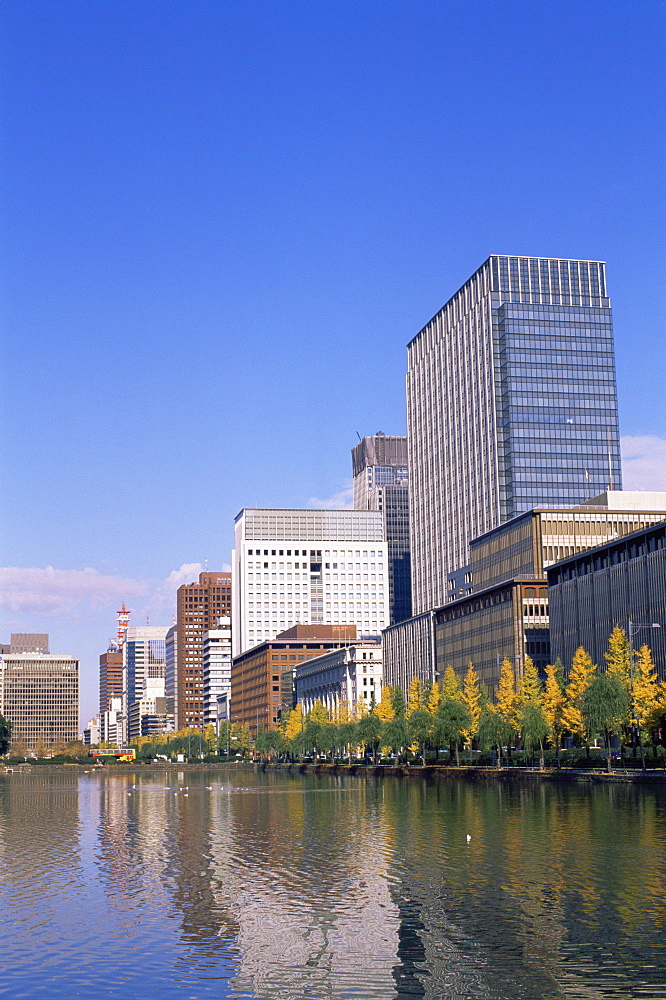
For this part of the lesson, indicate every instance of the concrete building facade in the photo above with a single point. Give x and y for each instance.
(262, 678)
(198, 608)
(307, 567)
(39, 695)
(350, 676)
(110, 675)
(216, 668)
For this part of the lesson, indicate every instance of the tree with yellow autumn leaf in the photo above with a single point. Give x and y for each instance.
(580, 677)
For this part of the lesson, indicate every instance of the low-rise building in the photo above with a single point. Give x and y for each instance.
(501, 608)
(262, 678)
(111, 723)
(351, 675)
(617, 583)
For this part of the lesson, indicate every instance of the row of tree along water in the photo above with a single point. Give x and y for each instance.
(457, 722)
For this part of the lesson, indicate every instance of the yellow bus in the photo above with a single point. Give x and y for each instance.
(124, 753)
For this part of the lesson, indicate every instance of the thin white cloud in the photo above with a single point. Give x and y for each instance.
(342, 500)
(54, 592)
(643, 462)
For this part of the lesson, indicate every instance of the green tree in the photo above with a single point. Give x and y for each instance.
(531, 717)
(398, 700)
(419, 728)
(453, 719)
(605, 705)
(369, 731)
(5, 735)
(394, 733)
(494, 732)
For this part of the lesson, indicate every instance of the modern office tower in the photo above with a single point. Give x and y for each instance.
(345, 677)
(262, 678)
(380, 483)
(39, 695)
(198, 608)
(143, 661)
(216, 668)
(307, 566)
(110, 675)
(618, 583)
(511, 404)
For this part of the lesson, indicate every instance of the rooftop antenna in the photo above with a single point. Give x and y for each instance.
(358, 435)
(123, 623)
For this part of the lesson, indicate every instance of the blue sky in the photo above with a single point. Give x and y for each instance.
(222, 223)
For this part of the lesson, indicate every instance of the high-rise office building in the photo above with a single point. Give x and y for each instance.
(511, 404)
(308, 567)
(381, 483)
(110, 676)
(39, 695)
(198, 609)
(143, 661)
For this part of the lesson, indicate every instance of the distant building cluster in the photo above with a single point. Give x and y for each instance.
(496, 529)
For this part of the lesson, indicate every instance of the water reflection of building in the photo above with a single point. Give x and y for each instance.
(310, 890)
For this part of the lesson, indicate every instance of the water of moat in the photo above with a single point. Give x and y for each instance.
(222, 883)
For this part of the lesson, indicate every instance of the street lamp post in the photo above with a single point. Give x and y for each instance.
(635, 627)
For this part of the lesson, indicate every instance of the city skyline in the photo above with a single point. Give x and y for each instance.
(217, 223)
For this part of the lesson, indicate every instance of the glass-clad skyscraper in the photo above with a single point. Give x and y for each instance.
(511, 403)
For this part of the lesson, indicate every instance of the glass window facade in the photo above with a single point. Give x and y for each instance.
(511, 403)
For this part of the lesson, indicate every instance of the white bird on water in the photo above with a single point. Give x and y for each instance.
(469, 837)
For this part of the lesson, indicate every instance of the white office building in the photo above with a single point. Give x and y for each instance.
(350, 675)
(308, 567)
(216, 668)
